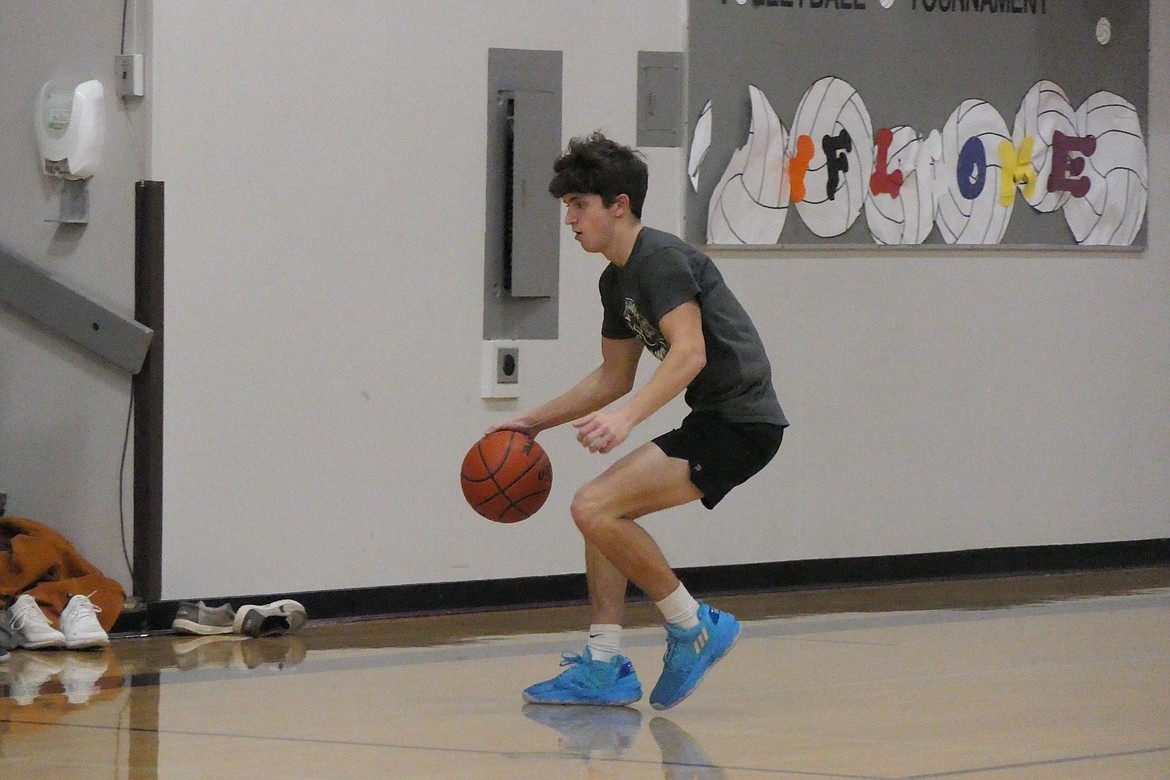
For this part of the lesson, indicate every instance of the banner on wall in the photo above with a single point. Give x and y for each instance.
(908, 122)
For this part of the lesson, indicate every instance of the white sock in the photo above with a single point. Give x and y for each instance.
(680, 608)
(605, 641)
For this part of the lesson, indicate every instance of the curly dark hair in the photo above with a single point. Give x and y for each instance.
(595, 165)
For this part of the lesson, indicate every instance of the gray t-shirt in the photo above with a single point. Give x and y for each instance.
(664, 272)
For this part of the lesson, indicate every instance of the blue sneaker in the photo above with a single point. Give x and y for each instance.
(613, 683)
(690, 653)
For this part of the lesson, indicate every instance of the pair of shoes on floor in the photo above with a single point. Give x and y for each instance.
(690, 653)
(79, 626)
(276, 619)
(78, 673)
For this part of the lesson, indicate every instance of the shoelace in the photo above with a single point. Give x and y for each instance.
(674, 644)
(88, 607)
(571, 659)
(26, 615)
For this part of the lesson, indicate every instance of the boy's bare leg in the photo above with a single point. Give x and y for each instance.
(605, 510)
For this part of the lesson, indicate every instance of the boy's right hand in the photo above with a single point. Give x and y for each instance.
(513, 425)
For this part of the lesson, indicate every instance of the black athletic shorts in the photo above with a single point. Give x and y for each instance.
(722, 454)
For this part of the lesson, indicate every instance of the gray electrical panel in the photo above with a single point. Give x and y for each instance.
(535, 222)
(660, 98)
(522, 220)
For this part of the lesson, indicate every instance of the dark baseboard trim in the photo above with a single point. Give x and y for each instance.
(567, 589)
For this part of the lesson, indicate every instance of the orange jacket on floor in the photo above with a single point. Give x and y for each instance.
(37, 560)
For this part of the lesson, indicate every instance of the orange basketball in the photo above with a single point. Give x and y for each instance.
(506, 476)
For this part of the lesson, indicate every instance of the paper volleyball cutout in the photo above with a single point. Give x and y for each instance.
(1090, 163)
(1113, 209)
(1044, 111)
(834, 117)
(907, 216)
(969, 209)
(750, 202)
(700, 143)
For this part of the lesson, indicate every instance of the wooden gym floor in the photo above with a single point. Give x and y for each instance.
(1011, 678)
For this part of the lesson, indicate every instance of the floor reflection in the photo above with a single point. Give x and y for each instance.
(606, 733)
(438, 697)
(58, 680)
(589, 732)
(235, 652)
(682, 757)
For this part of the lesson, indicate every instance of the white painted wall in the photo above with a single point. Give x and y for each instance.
(325, 215)
(325, 195)
(62, 411)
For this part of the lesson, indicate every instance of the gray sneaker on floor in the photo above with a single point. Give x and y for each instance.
(276, 619)
(7, 635)
(198, 618)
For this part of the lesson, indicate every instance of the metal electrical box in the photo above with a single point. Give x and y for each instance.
(522, 234)
(660, 98)
(534, 224)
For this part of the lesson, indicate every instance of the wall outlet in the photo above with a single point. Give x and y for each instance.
(500, 369)
(131, 74)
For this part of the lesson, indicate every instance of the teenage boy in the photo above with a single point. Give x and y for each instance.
(659, 294)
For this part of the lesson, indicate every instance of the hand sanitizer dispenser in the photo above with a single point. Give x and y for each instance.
(71, 130)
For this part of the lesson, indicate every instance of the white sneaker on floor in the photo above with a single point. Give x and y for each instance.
(33, 630)
(80, 625)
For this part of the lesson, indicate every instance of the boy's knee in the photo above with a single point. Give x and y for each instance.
(587, 509)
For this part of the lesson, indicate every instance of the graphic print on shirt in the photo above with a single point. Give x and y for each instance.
(650, 335)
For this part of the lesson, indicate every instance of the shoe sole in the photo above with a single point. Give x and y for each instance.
(87, 643)
(201, 629)
(48, 644)
(694, 686)
(617, 703)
